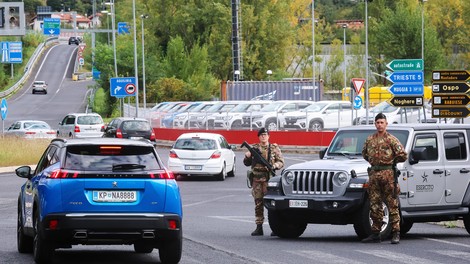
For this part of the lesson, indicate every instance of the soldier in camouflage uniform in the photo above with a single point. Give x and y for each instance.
(382, 150)
(272, 153)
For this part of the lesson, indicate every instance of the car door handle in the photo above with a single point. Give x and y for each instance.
(438, 171)
(464, 170)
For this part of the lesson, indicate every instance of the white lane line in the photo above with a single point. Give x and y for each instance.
(322, 257)
(208, 201)
(454, 254)
(396, 257)
(446, 242)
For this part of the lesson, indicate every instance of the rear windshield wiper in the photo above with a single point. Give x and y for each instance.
(127, 167)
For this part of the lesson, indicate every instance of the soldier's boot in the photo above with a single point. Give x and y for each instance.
(374, 238)
(258, 231)
(395, 238)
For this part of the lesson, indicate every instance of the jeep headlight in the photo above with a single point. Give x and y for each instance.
(289, 176)
(340, 178)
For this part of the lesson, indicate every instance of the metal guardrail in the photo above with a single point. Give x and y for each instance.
(27, 70)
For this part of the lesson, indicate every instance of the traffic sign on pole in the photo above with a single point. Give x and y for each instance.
(4, 108)
(456, 112)
(51, 26)
(459, 88)
(406, 77)
(119, 86)
(406, 101)
(451, 100)
(453, 76)
(406, 65)
(407, 89)
(358, 83)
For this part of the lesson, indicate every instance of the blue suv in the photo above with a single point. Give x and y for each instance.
(99, 191)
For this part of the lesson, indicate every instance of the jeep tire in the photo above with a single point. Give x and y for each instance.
(284, 227)
(363, 224)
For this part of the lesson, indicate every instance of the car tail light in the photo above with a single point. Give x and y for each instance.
(62, 174)
(118, 133)
(216, 155)
(77, 129)
(167, 175)
(173, 154)
(30, 133)
(53, 224)
(152, 136)
(52, 132)
(110, 150)
(172, 224)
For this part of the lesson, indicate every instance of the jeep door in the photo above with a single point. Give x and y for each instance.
(457, 165)
(426, 179)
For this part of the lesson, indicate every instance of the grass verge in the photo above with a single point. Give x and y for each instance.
(18, 151)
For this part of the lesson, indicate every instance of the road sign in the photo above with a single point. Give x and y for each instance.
(118, 86)
(453, 76)
(130, 88)
(358, 83)
(81, 61)
(82, 47)
(406, 77)
(51, 26)
(451, 100)
(4, 108)
(357, 102)
(459, 88)
(456, 112)
(123, 28)
(406, 101)
(12, 52)
(407, 89)
(406, 65)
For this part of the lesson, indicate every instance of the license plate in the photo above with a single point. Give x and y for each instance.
(135, 137)
(114, 196)
(193, 167)
(298, 203)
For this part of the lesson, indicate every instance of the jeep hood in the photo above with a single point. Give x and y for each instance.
(359, 165)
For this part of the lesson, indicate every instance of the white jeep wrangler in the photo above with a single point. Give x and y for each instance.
(434, 182)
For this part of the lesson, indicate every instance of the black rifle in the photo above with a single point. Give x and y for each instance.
(259, 159)
(396, 175)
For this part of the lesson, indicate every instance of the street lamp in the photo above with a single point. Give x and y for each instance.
(107, 20)
(143, 61)
(113, 15)
(345, 78)
(136, 72)
(313, 49)
(269, 73)
(366, 91)
(422, 29)
(237, 75)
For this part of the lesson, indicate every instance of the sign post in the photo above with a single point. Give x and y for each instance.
(51, 26)
(408, 82)
(4, 112)
(450, 93)
(122, 86)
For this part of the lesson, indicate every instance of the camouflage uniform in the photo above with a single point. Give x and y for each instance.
(381, 152)
(261, 175)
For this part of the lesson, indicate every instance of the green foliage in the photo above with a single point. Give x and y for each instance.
(100, 104)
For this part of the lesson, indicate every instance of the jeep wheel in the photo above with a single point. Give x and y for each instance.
(316, 125)
(170, 251)
(363, 225)
(142, 248)
(24, 243)
(466, 222)
(405, 226)
(223, 174)
(285, 228)
(42, 251)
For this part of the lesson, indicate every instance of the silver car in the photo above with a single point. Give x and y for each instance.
(81, 125)
(39, 87)
(31, 129)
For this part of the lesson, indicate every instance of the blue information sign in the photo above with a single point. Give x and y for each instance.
(123, 28)
(407, 89)
(122, 86)
(4, 108)
(12, 52)
(406, 77)
(357, 102)
(51, 26)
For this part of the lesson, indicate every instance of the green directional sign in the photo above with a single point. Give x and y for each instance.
(406, 65)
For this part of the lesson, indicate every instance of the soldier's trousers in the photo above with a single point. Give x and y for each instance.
(259, 189)
(381, 189)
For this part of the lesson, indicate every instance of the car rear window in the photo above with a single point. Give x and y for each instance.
(89, 120)
(136, 125)
(105, 158)
(195, 144)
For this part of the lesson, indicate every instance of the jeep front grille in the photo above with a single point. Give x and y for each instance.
(312, 182)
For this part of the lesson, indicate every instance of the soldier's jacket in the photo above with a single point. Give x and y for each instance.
(383, 150)
(275, 159)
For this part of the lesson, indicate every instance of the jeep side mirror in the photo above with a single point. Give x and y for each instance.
(322, 153)
(416, 155)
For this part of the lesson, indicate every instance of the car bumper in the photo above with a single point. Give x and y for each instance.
(181, 168)
(112, 228)
(88, 135)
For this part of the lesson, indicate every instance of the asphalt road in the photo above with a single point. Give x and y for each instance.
(218, 220)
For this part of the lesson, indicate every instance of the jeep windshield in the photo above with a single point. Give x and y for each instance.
(349, 143)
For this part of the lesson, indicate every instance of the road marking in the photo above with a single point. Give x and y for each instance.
(318, 256)
(243, 219)
(397, 257)
(208, 201)
(454, 254)
(446, 242)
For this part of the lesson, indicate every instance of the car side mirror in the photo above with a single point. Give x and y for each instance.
(416, 155)
(322, 153)
(23, 172)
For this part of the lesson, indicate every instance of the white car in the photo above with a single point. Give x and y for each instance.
(81, 125)
(31, 129)
(233, 119)
(39, 87)
(202, 154)
(395, 115)
(327, 114)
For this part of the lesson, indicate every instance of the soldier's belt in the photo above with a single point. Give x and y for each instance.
(383, 167)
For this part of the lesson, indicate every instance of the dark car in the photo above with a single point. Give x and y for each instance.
(99, 191)
(129, 127)
(74, 40)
